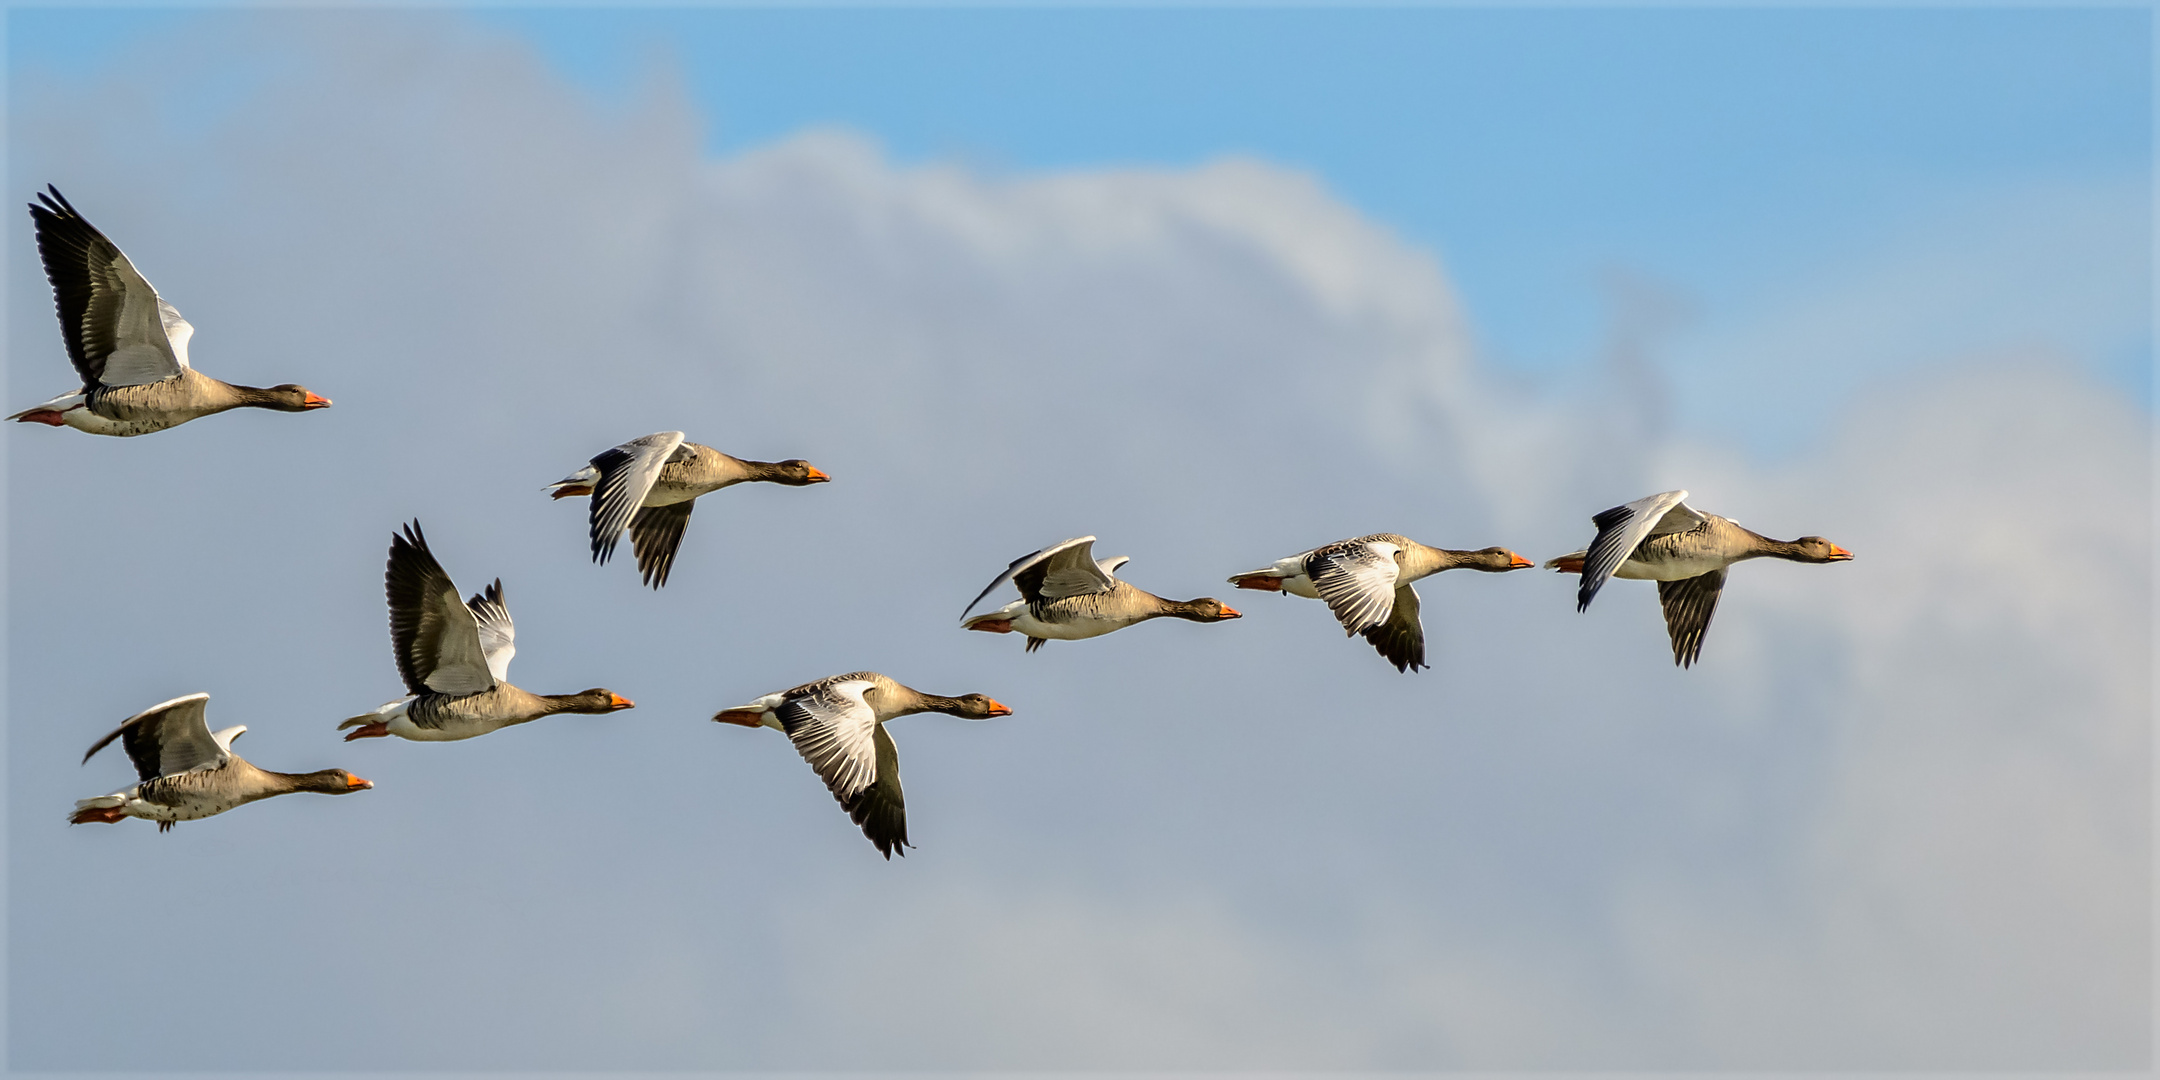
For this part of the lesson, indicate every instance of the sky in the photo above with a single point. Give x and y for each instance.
(1215, 286)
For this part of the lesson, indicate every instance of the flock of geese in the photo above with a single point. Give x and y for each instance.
(130, 348)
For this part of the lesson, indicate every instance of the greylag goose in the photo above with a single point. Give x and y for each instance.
(650, 485)
(455, 658)
(1365, 581)
(1662, 539)
(1068, 594)
(128, 344)
(838, 726)
(189, 772)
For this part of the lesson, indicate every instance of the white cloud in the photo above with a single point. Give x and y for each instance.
(1898, 818)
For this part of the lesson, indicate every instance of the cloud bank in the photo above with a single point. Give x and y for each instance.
(1899, 818)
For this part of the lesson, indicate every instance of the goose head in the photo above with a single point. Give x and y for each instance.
(1205, 609)
(976, 707)
(1494, 560)
(290, 397)
(595, 700)
(1818, 550)
(795, 472)
(330, 782)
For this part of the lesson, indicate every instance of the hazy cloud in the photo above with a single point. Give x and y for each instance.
(1897, 818)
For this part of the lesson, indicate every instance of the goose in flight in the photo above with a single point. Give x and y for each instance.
(1366, 580)
(455, 658)
(838, 726)
(1068, 594)
(127, 343)
(650, 485)
(1660, 538)
(189, 773)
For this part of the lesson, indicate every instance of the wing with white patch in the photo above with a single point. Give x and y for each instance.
(1058, 571)
(178, 331)
(434, 635)
(1357, 580)
(627, 473)
(1622, 529)
(832, 728)
(498, 635)
(170, 738)
(880, 809)
(1401, 639)
(118, 331)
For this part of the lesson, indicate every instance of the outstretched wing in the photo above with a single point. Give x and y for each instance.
(168, 739)
(1689, 603)
(627, 473)
(1357, 580)
(655, 534)
(1622, 529)
(498, 635)
(1401, 639)
(435, 637)
(1058, 571)
(117, 330)
(832, 728)
(879, 808)
(835, 729)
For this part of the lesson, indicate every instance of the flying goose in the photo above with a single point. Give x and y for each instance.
(455, 658)
(838, 726)
(128, 344)
(1660, 538)
(1365, 581)
(1068, 594)
(650, 485)
(189, 773)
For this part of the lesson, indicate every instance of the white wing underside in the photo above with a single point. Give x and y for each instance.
(498, 635)
(834, 730)
(1357, 583)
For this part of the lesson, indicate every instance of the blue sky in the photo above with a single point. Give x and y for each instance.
(1215, 286)
(1717, 153)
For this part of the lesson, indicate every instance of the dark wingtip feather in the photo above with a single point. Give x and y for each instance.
(490, 595)
(1585, 593)
(55, 204)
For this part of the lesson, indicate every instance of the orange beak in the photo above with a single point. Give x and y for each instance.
(817, 475)
(619, 702)
(315, 401)
(1231, 613)
(357, 783)
(1517, 562)
(997, 709)
(574, 489)
(1838, 554)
